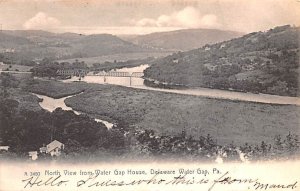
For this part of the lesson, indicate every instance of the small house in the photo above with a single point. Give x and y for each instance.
(54, 148)
(207, 48)
(43, 149)
(175, 61)
(33, 155)
(4, 148)
(222, 46)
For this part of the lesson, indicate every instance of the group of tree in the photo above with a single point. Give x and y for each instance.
(207, 147)
(48, 68)
(25, 130)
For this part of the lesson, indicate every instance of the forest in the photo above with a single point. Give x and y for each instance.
(259, 62)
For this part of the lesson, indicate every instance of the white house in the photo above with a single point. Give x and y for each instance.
(54, 148)
(11, 50)
(4, 148)
(207, 48)
(33, 155)
(175, 61)
(222, 46)
(43, 149)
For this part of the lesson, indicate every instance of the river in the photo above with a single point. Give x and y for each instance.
(50, 104)
(121, 81)
(204, 92)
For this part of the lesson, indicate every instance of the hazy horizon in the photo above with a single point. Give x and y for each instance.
(133, 34)
(65, 32)
(122, 17)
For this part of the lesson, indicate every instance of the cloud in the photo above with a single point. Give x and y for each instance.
(210, 21)
(42, 21)
(189, 17)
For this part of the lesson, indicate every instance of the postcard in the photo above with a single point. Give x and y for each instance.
(149, 95)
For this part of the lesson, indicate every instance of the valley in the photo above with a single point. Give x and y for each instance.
(213, 111)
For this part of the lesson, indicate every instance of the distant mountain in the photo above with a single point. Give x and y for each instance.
(104, 44)
(259, 62)
(36, 44)
(40, 36)
(29, 33)
(186, 39)
(7, 40)
(70, 35)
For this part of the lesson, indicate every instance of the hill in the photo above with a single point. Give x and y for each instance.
(36, 44)
(104, 44)
(29, 33)
(8, 41)
(185, 39)
(259, 62)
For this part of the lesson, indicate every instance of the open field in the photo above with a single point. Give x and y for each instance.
(15, 67)
(167, 113)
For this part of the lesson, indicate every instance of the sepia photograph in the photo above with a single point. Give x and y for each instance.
(149, 84)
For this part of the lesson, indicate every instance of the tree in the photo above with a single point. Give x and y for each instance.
(278, 143)
(279, 88)
(7, 81)
(292, 142)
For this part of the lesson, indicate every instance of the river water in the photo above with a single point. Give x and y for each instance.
(50, 104)
(121, 81)
(138, 83)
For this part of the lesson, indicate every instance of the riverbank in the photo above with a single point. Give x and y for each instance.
(222, 94)
(156, 84)
(56, 89)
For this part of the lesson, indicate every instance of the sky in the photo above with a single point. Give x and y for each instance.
(147, 16)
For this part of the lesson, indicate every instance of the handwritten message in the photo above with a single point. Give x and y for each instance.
(210, 179)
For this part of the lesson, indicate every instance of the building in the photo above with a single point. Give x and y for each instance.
(43, 149)
(207, 48)
(33, 155)
(4, 148)
(72, 72)
(175, 61)
(54, 148)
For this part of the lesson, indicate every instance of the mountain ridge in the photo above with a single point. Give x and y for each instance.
(184, 39)
(37, 44)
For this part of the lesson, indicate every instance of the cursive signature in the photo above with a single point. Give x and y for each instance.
(225, 179)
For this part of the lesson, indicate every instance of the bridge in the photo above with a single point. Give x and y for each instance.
(72, 72)
(82, 73)
(118, 74)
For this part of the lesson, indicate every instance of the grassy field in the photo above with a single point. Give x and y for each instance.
(15, 67)
(56, 89)
(166, 113)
